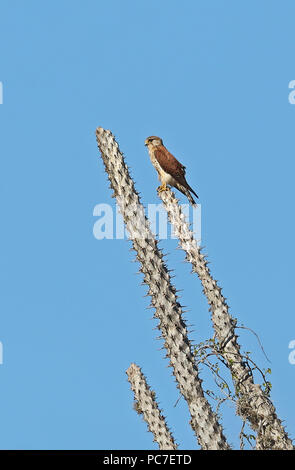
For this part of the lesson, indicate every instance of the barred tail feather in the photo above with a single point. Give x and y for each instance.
(187, 193)
(190, 198)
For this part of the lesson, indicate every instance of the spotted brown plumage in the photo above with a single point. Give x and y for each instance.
(169, 169)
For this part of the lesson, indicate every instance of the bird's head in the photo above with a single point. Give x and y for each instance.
(153, 140)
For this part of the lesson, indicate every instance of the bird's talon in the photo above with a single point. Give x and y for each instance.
(161, 188)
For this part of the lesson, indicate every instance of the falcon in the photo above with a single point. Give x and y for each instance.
(170, 170)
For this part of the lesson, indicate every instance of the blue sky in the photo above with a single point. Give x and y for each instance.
(211, 78)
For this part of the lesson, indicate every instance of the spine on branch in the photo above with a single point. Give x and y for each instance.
(163, 295)
(253, 405)
(145, 404)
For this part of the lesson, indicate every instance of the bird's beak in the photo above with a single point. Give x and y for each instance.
(145, 143)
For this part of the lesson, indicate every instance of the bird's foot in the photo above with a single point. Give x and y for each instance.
(161, 188)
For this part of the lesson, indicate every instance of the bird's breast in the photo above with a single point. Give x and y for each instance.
(164, 176)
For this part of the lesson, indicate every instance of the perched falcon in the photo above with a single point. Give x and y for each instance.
(170, 170)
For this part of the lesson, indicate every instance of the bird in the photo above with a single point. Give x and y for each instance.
(170, 170)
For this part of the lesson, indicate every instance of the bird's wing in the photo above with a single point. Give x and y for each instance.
(169, 163)
(172, 166)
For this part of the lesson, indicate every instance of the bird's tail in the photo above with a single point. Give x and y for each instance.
(186, 192)
(192, 191)
(190, 198)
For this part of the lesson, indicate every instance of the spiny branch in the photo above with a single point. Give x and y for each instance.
(163, 295)
(253, 404)
(145, 404)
